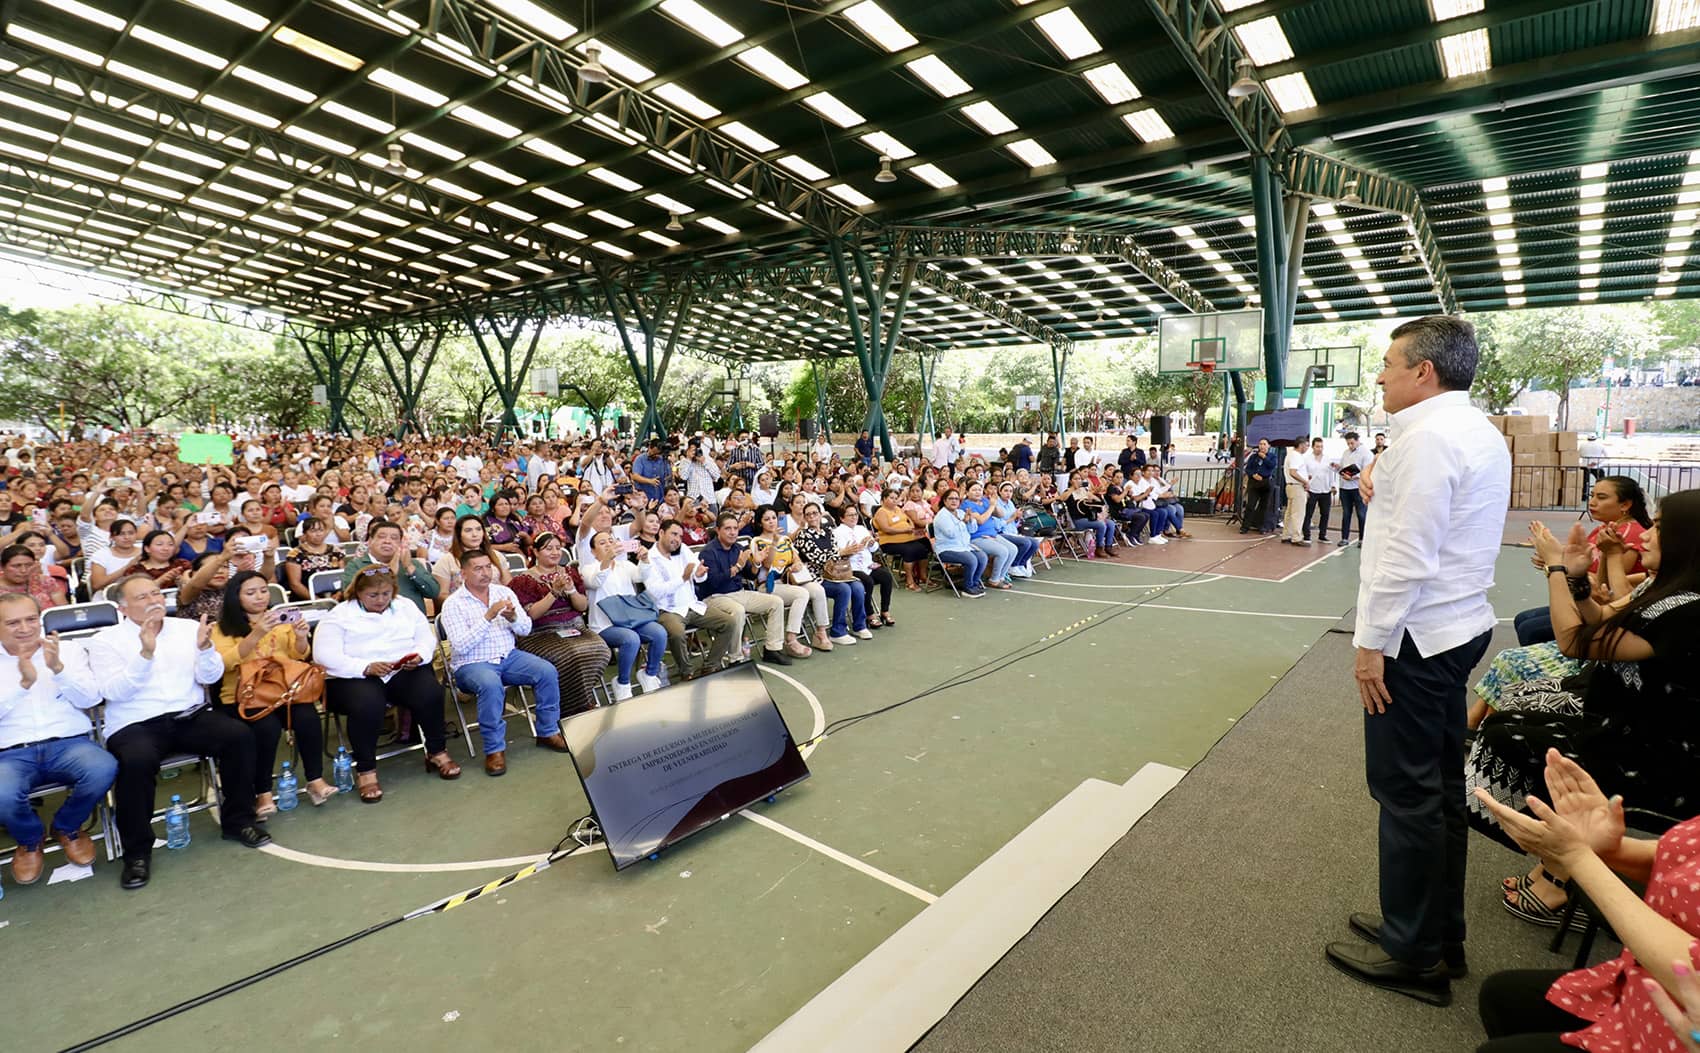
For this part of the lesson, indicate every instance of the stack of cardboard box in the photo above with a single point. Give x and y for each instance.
(1545, 466)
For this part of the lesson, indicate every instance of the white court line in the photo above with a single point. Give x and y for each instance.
(832, 853)
(1338, 550)
(1154, 585)
(814, 703)
(330, 863)
(1174, 607)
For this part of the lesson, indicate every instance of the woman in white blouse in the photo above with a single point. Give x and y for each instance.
(610, 573)
(377, 653)
(857, 544)
(765, 489)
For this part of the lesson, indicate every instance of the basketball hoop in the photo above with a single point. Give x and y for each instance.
(1202, 367)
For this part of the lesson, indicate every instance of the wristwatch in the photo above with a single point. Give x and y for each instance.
(1558, 568)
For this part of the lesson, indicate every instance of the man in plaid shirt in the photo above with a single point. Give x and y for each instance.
(746, 459)
(481, 619)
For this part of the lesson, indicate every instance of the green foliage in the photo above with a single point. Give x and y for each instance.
(1556, 346)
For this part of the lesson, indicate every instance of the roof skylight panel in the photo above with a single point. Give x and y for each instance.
(1031, 152)
(699, 20)
(313, 46)
(991, 120)
(409, 89)
(936, 74)
(1465, 53)
(879, 26)
(175, 46)
(717, 225)
(479, 119)
(535, 17)
(771, 67)
(833, 109)
(354, 116)
(684, 100)
(803, 167)
(431, 146)
(615, 179)
(748, 136)
(1264, 41)
(323, 142)
(1291, 92)
(1067, 33)
(1148, 125)
(1670, 16)
(1111, 84)
(846, 192)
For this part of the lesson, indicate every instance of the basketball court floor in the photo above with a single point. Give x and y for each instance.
(1085, 675)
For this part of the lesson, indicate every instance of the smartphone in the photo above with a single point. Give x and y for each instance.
(630, 545)
(207, 516)
(407, 659)
(622, 489)
(39, 515)
(292, 617)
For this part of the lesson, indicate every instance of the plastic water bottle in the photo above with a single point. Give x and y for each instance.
(342, 771)
(288, 790)
(176, 824)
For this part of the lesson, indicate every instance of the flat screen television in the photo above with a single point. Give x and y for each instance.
(1282, 427)
(660, 767)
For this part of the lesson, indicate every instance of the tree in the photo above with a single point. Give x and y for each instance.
(590, 370)
(1557, 346)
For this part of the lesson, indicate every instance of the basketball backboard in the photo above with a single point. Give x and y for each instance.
(1347, 363)
(1227, 340)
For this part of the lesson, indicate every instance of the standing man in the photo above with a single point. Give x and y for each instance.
(1348, 470)
(1021, 455)
(1319, 489)
(651, 472)
(942, 452)
(1048, 457)
(1259, 489)
(745, 458)
(1592, 453)
(1423, 623)
(1296, 490)
(865, 450)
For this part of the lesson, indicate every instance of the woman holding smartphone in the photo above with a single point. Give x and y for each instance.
(376, 653)
(247, 631)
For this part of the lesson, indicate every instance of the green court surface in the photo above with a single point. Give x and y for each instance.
(723, 937)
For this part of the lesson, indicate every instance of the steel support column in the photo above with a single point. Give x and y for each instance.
(650, 373)
(509, 378)
(875, 337)
(737, 423)
(408, 386)
(1272, 258)
(336, 358)
(929, 370)
(820, 399)
(1059, 370)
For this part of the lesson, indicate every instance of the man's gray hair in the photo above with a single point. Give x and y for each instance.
(1448, 342)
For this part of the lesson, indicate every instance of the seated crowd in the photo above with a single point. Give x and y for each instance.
(564, 569)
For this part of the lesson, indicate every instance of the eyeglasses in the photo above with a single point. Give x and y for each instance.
(374, 569)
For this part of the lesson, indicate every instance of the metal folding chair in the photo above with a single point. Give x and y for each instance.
(515, 562)
(324, 583)
(944, 569)
(79, 619)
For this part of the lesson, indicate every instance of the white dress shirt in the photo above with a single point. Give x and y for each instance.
(137, 689)
(664, 581)
(349, 638)
(475, 638)
(844, 535)
(618, 580)
(1441, 491)
(52, 707)
(1317, 473)
(1360, 457)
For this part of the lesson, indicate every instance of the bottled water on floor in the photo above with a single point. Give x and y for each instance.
(288, 790)
(342, 771)
(176, 824)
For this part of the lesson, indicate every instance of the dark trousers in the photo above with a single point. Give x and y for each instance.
(1312, 503)
(1517, 1016)
(878, 576)
(1534, 626)
(1414, 763)
(268, 732)
(363, 701)
(1257, 507)
(1351, 501)
(142, 746)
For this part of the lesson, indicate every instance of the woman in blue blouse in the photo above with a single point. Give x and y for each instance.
(985, 533)
(952, 544)
(1008, 520)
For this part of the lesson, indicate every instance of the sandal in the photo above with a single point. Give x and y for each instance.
(1531, 908)
(885, 619)
(318, 798)
(1522, 882)
(366, 785)
(264, 811)
(443, 765)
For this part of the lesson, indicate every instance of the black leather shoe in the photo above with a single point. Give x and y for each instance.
(134, 874)
(775, 657)
(1374, 966)
(1369, 927)
(249, 836)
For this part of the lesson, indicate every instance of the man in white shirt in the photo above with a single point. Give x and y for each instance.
(1293, 469)
(481, 619)
(467, 465)
(822, 452)
(670, 576)
(1423, 622)
(154, 673)
(45, 692)
(1348, 469)
(943, 451)
(1318, 475)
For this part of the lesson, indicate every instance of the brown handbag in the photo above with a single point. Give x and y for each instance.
(266, 683)
(837, 569)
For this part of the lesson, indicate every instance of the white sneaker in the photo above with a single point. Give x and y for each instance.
(864, 634)
(649, 683)
(1021, 572)
(846, 639)
(622, 692)
(1158, 540)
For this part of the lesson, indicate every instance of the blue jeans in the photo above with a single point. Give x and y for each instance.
(847, 597)
(1024, 548)
(1351, 501)
(625, 643)
(973, 563)
(999, 552)
(1105, 530)
(78, 761)
(488, 681)
(1534, 626)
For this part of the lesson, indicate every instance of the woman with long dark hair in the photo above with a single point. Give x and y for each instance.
(1618, 502)
(1630, 717)
(470, 536)
(249, 630)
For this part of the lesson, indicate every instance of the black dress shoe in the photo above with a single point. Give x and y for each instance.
(1369, 927)
(134, 874)
(768, 654)
(249, 836)
(1374, 966)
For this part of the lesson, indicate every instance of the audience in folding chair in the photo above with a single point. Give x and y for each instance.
(376, 653)
(609, 576)
(153, 672)
(313, 555)
(481, 619)
(249, 629)
(669, 577)
(21, 575)
(857, 544)
(385, 546)
(556, 600)
(46, 691)
(952, 544)
(1087, 514)
(900, 535)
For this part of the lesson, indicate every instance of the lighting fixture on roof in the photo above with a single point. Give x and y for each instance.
(1069, 245)
(1666, 274)
(395, 165)
(1350, 196)
(673, 221)
(286, 203)
(886, 175)
(1409, 255)
(1245, 83)
(593, 71)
